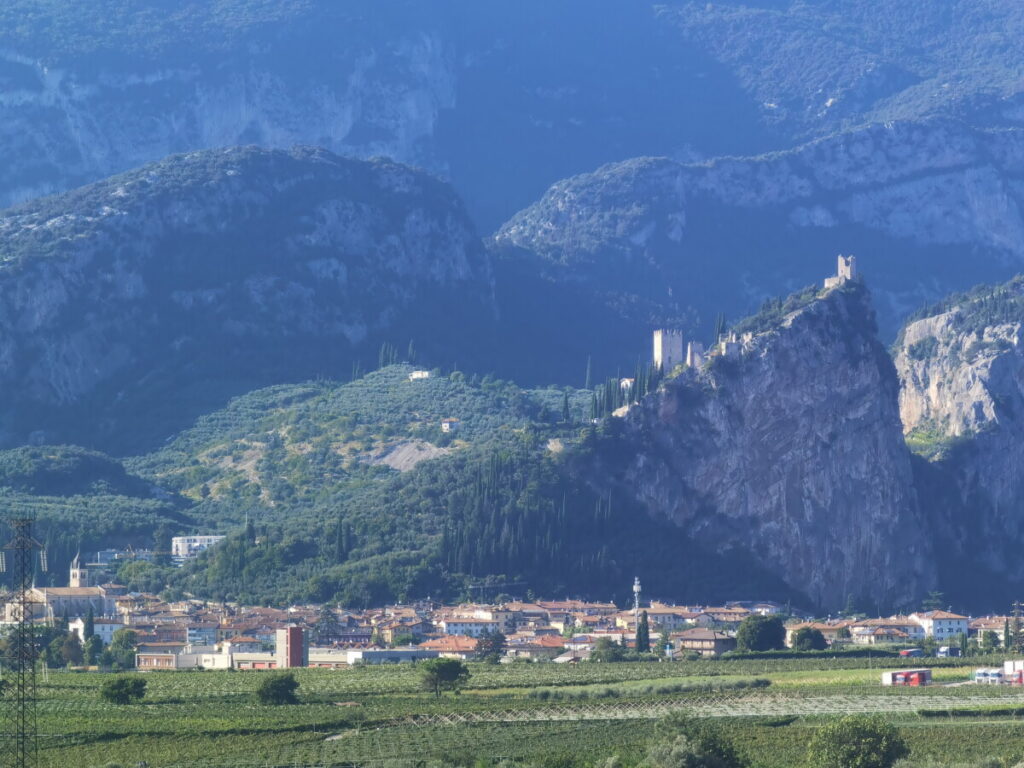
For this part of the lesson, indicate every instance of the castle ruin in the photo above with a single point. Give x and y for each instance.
(846, 270)
(668, 349)
(695, 354)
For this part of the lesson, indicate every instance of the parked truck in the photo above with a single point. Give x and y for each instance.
(912, 677)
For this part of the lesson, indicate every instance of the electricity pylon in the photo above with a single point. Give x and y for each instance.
(19, 748)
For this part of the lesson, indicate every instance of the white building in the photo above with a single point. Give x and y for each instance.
(417, 375)
(105, 628)
(186, 547)
(942, 625)
(450, 425)
(469, 627)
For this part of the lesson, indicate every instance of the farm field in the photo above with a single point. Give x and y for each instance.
(530, 714)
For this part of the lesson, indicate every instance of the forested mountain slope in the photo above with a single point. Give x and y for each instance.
(725, 479)
(132, 305)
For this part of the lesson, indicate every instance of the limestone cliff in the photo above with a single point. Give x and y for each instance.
(791, 451)
(157, 293)
(962, 402)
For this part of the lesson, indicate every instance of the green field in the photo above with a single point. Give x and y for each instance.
(530, 714)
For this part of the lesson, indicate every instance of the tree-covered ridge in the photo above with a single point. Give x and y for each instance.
(511, 516)
(235, 185)
(299, 444)
(775, 310)
(972, 311)
(83, 500)
(67, 470)
(65, 32)
(858, 61)
(862, 62)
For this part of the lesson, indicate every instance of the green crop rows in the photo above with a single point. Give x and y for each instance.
(376, 715)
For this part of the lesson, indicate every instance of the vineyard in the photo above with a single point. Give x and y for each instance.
(375, 715)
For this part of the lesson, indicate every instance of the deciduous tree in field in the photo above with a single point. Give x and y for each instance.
(443, 675)
(278, 688)
(123, 690)
(687, 742)
(856, 741)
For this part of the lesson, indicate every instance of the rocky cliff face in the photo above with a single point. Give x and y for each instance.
(526, 92)
(470, 91)
(962, 404)
(907, 198)
(204, 273)
(792, 451)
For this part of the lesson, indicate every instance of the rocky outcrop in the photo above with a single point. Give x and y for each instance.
(790, 451)
(207, 273)
(962, 403)
(906, 197)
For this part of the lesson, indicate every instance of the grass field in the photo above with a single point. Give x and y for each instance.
(588, 713)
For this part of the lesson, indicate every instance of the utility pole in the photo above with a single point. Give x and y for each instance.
(20, 747)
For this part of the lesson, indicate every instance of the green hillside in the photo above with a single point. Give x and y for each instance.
(352, 492)
(83, 500)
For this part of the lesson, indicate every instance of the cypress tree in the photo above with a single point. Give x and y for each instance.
(719, 327)
(89, 629)
(643, 634)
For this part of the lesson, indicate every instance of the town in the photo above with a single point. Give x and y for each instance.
(152, 633)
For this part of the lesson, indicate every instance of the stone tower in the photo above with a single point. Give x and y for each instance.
(668, 349)
(845, 270)
(695, 354)
(79, 575)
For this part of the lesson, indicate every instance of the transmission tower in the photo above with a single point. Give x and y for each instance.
(20, 748)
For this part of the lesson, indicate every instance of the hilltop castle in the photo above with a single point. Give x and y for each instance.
(846, 270)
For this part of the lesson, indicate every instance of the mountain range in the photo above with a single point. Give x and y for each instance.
(222, 218)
